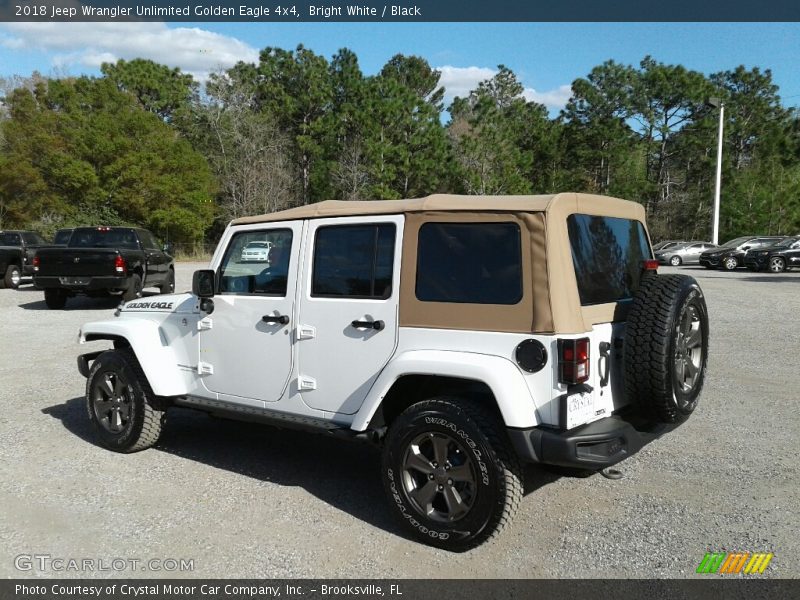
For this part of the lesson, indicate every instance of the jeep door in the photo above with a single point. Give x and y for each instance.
(347, 329)
(246, 343)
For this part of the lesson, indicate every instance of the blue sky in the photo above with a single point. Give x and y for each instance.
(547, 57)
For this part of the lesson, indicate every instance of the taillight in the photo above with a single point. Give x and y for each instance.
(119, 265)
(573, 363)
(36, 263)
(650, 265)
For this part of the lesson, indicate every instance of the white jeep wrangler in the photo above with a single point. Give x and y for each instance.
(464, 335)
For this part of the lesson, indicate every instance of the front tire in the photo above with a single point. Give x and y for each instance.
(730, 263)
(666, 347)
(55, 298)
(450, 474)
(13, 277)
(121, 405)
(675, 261)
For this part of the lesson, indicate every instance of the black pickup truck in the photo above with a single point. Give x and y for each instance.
(17, 249)
(99, 261)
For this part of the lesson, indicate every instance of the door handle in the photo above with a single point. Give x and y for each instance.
(376, 325)
(605, 358)
(282, 319)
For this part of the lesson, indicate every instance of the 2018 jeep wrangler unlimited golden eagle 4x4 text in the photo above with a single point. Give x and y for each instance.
(464, 335)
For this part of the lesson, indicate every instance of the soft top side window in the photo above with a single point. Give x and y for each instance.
(477, 263)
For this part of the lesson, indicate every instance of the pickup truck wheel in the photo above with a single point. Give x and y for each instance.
(666, 347)
(13, 277)
(55, 298)
(169, 285)
(450, 474)
(121, 404)
(134, 290)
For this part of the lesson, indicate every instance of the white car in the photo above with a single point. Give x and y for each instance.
(463, 335)
(256, 252)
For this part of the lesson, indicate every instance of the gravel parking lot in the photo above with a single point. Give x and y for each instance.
(242, 500)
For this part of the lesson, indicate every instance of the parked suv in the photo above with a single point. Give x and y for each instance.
(463, 335)
(777, 258)
(730, 255)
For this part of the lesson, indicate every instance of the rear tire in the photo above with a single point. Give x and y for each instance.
(12, 277)
(168, 286)
(55, 298)
(127, 415)
(777, 264)
(450, 474)
(666, 347)
(134, 290)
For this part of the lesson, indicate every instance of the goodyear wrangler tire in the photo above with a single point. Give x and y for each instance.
(666, 347)
(121, 405)
(450, 474)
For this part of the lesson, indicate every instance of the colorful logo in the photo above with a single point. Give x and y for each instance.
(735, 562)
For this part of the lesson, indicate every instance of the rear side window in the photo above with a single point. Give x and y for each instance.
(353, 261)
(607, 253)
(478, 263)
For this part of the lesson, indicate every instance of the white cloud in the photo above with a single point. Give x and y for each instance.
(88, 45)
(556, 98)
(460, 81)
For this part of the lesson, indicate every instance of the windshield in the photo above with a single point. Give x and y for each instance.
(104, 238)
(735, 243)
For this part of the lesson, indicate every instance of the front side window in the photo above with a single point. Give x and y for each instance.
(607, 254)
(353, 261)
(478, 263)
(267, 274)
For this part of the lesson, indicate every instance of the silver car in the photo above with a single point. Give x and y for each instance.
(683, 254)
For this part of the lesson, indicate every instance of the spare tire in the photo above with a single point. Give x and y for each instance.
(666, 347)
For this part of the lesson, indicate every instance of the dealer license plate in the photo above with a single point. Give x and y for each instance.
(580, 409)
(74, 280)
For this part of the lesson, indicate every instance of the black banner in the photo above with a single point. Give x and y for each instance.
(271, 11)
(399, 589)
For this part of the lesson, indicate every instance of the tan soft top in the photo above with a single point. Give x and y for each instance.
(550, 300)
(572, 202)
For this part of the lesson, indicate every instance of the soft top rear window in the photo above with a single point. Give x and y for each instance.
(607, 253)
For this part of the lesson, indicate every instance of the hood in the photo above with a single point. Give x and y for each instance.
(166, 303)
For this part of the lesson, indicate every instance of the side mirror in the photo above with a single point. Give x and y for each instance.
(203, 283)
(745, 247)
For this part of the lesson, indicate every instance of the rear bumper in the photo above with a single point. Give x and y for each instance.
(93, 284)
(593, 446)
